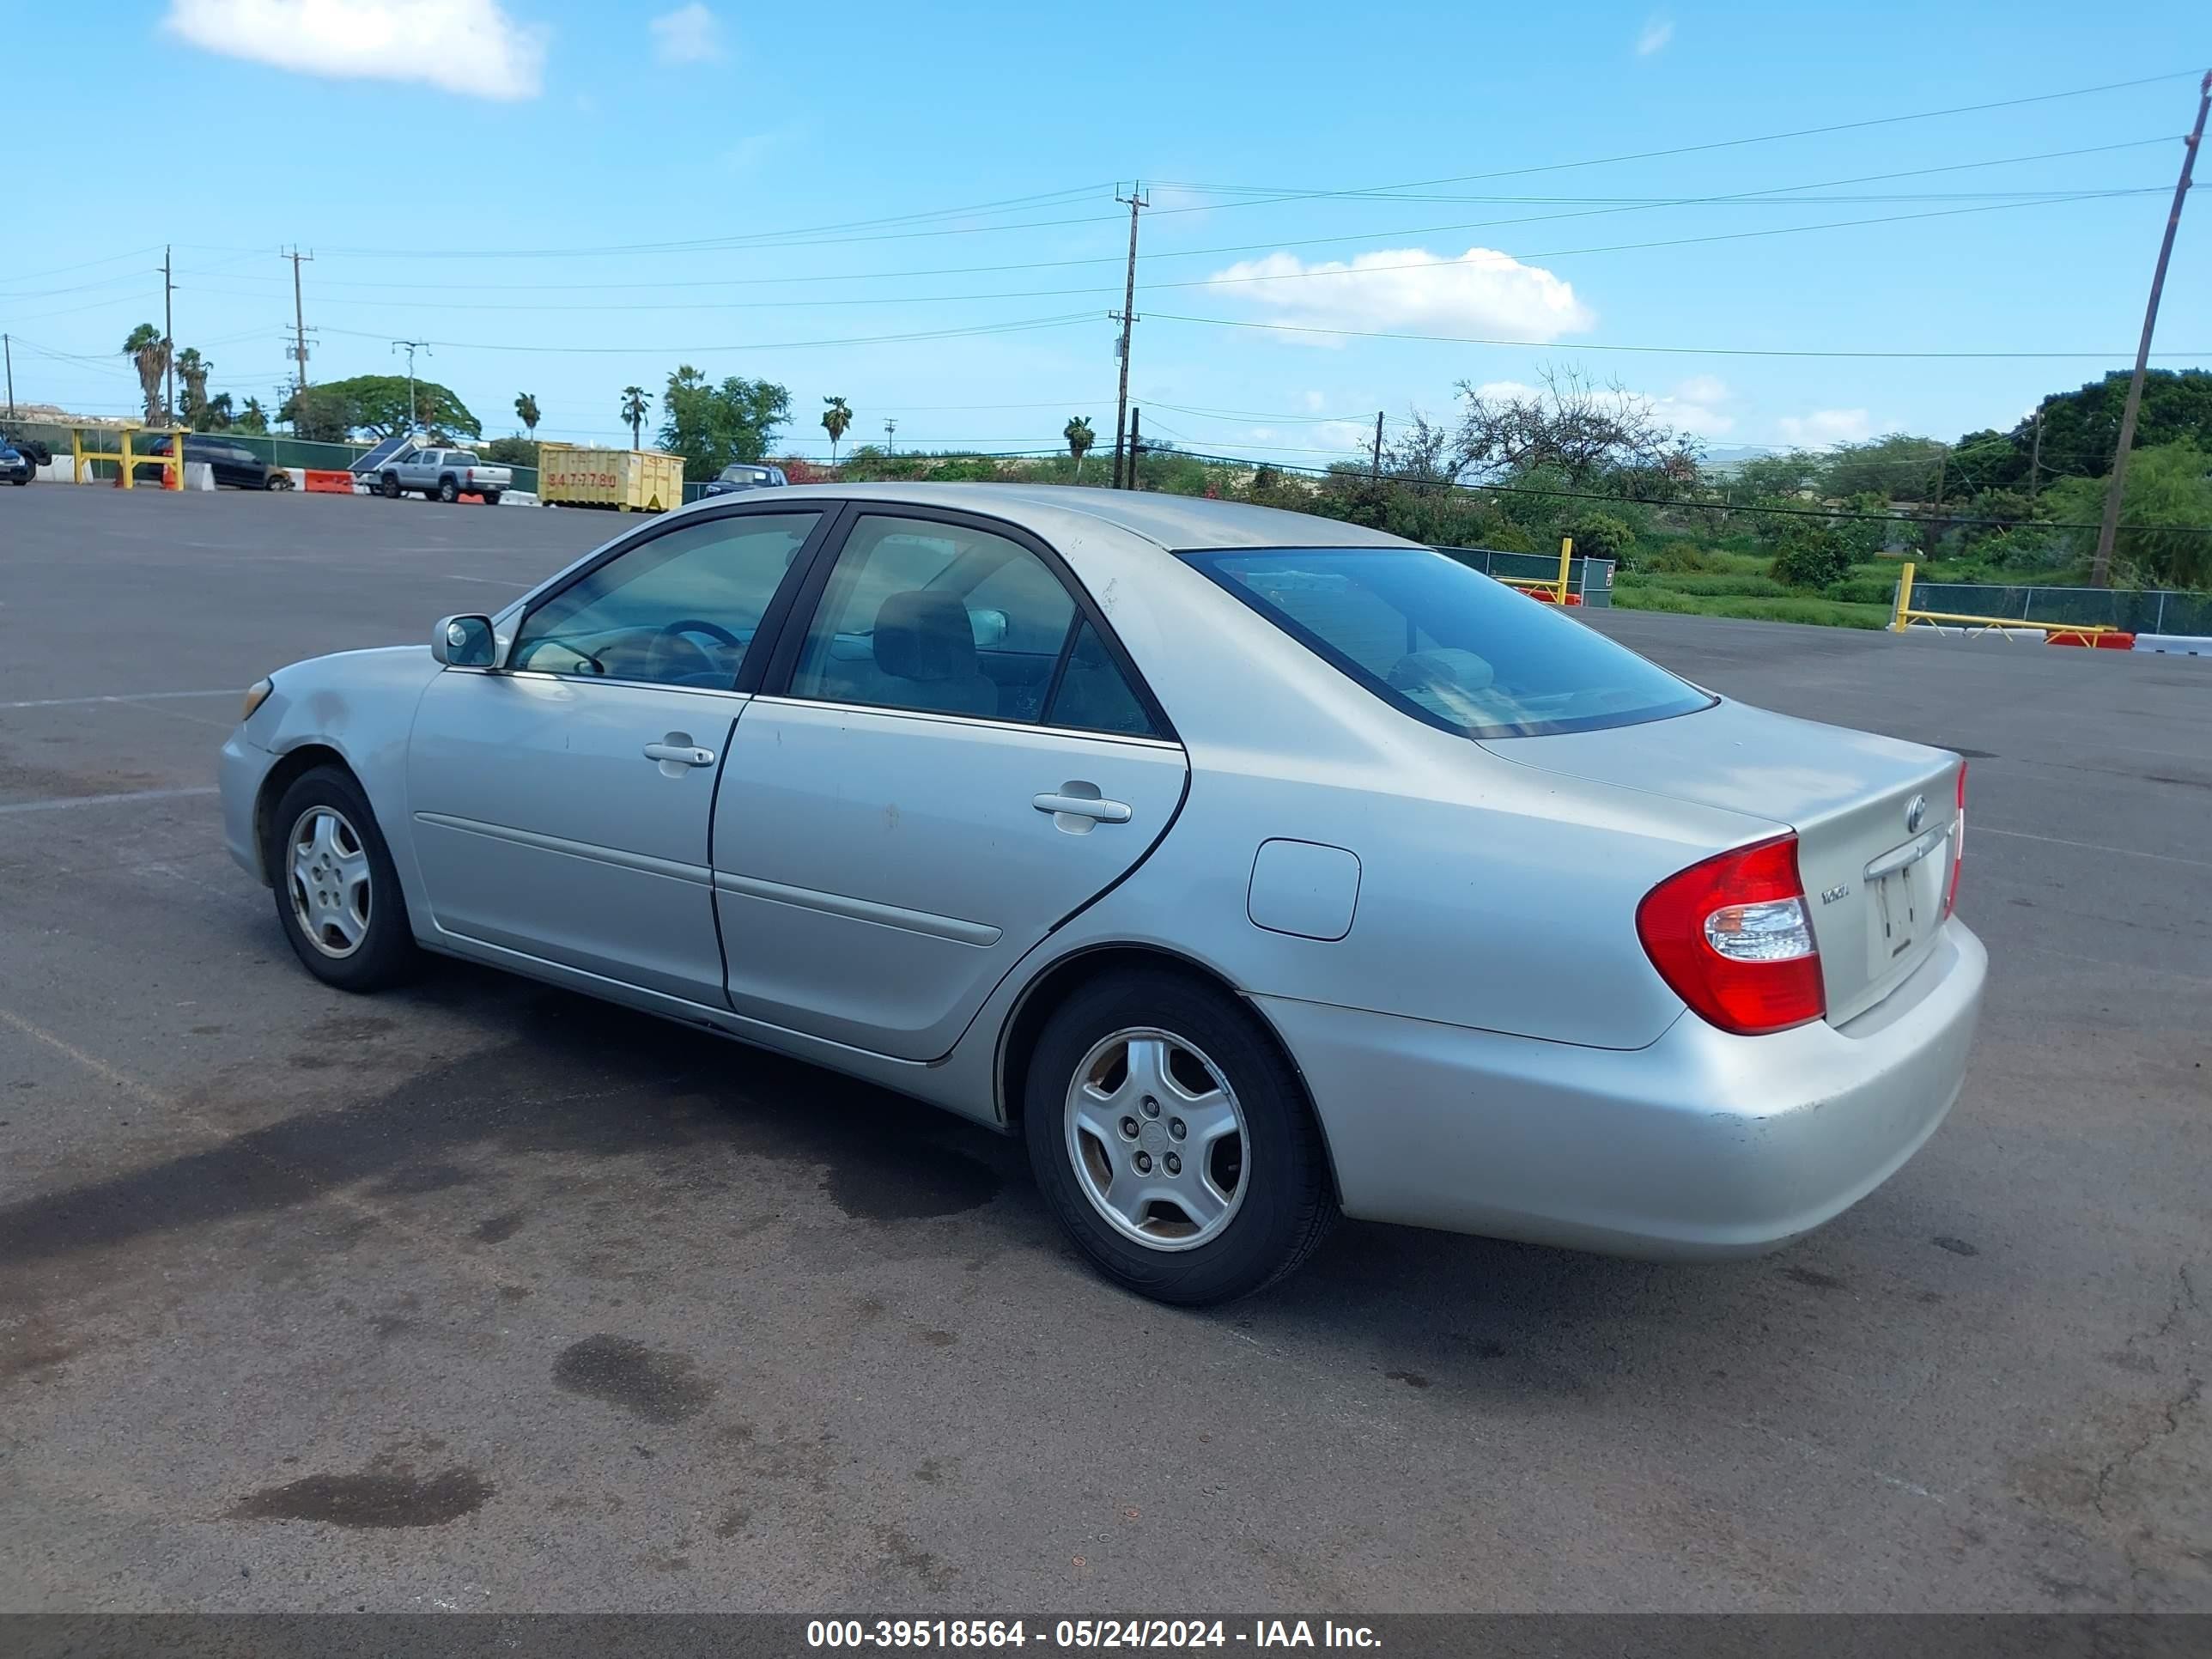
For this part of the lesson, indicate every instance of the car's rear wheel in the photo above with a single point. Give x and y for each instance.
(491, 498)
(1174, 1141)
(337, 893)
(392, 486)
(449, 491)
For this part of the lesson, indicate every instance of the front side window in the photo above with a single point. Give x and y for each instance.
(1448, 645)
(679, 609)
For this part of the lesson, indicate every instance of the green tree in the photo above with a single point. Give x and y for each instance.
(511, 452)
(378, 406)
(835, 420)
(2165, 514)
(150, 354)
(1899, 468)
(2081, 428)
(526, 410)
(1777, 475)
(1079, 438)
(636, 405)
(321, 414)
(194, 370)
(1810, 554)
(251, 418)
(711, 426)
(1601, 535)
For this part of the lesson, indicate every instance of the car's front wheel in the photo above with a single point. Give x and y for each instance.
(392, 486)
(337, 893)
(1173, 1140)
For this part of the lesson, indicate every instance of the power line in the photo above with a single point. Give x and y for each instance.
(1732, 143)
(1061, 321)
(1667, 350)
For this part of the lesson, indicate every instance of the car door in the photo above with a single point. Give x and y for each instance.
(561, 803)
(960, 757)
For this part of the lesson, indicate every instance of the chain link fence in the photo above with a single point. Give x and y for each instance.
(2132, 610)
(1591, 579)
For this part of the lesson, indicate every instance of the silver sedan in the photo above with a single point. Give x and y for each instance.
(1255, 868)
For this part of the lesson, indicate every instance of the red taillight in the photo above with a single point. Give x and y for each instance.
(1957, 844)
(1732, 937)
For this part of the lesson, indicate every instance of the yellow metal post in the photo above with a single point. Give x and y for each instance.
(1566, 555)
(1904, 598)
(128, 483)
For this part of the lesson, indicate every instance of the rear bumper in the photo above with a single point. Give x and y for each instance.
(1702, 1144)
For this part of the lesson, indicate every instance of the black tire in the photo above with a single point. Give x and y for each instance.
(392, 486)
(276, 481)
(449, 491)
(1288, 1200)
(387, 953)
(491, 498)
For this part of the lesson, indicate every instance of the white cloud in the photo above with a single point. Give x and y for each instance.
(1408, 289)
(1825, 427)
(468, 46)
(689, 34)
(1655, 36)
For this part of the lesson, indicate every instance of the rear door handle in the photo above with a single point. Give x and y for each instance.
(679, 754)
(1083, 806)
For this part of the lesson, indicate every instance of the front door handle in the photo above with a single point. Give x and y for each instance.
(676, 750)
(1078, 812)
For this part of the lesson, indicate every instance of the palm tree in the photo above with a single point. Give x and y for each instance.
(835, 420)
(635, 406)
(251, 418)
(150, 354)
(194, 370)
(526, 410)
(1079, 438)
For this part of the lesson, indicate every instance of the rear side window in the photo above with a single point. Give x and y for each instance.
(1448, 645)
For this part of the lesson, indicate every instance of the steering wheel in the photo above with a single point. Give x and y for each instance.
(659, 654)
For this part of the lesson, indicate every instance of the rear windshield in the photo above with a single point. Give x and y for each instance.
(1448, 645)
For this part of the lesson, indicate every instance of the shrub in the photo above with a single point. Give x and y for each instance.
(1600, 536)
(1679, 558)
(1810, 554)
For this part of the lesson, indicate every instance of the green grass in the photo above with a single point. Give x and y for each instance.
(1808, 608)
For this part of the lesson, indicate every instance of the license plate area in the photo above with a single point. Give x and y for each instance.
(1904, 890)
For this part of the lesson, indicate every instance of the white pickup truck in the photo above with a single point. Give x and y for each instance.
(445, 475)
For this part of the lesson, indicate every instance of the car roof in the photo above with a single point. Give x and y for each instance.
(1177, 523)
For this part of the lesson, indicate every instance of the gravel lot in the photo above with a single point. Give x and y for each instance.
(482, 1296)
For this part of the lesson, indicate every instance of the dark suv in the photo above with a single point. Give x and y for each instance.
(233, 464)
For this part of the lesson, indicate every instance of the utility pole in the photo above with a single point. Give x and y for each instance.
(2100, 570)
(2035, 456)
(299, 324)
(891, 429)
(8, 344)
(168, 341)
(1126, 316)
(410, 347)
(1136, 445)
(1374, 470)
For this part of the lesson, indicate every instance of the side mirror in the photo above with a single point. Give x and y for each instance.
(464, 642)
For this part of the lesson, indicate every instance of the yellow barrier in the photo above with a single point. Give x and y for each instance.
(172, 464)
(1556, 586)
(1903, 616)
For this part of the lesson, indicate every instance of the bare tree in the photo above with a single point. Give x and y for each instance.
(1570, 425)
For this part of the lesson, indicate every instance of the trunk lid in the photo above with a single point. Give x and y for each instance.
(1875, 872)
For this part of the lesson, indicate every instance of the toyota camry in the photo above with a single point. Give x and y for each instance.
(1254, 868)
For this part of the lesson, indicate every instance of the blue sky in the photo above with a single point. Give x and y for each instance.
(568, 198)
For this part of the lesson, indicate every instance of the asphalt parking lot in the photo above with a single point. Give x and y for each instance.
(482, 1296)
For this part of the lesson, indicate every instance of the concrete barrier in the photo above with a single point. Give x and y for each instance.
(199, 475)
(2176, 645)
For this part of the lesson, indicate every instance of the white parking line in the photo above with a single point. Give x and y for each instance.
(59, 802)
(126, 697)
(2094, 846)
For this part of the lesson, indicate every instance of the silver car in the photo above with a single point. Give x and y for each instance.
(1255, 868)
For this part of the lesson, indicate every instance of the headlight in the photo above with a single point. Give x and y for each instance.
(256, 695)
